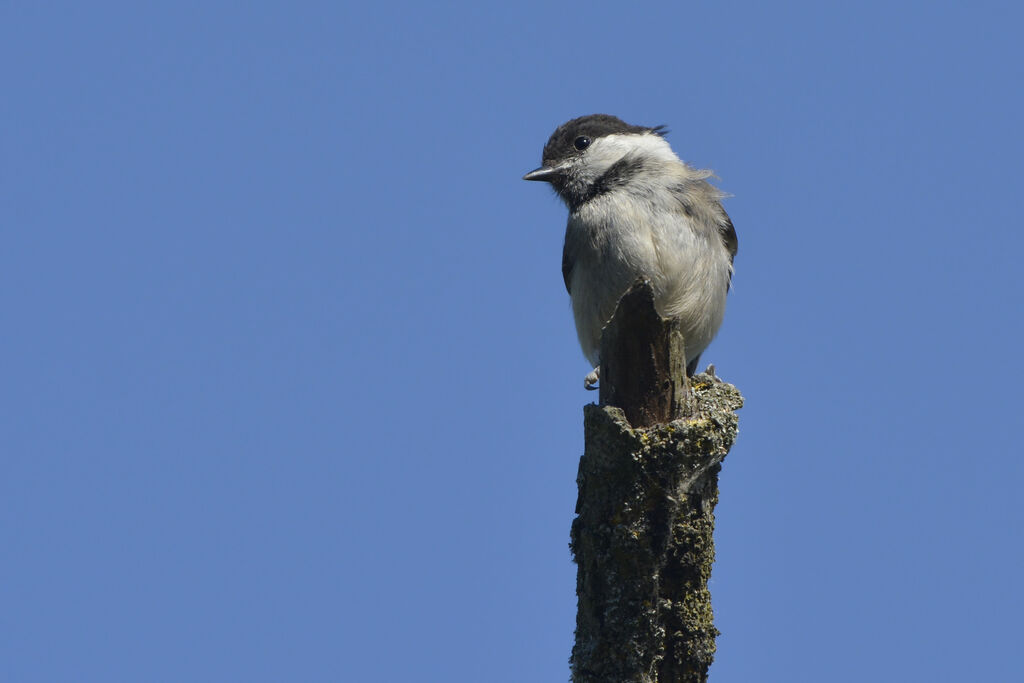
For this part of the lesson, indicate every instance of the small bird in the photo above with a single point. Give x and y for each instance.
(637, 211)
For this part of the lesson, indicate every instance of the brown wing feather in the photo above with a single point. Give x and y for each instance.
(567, 261)
(732, 243)
(728, 233)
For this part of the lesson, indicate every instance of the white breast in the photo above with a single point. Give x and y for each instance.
(620, 238)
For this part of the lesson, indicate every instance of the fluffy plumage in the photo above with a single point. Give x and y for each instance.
(636, 210)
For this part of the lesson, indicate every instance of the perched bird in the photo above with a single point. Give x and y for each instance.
(637, 211)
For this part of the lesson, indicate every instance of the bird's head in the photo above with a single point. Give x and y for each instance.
(591, 154)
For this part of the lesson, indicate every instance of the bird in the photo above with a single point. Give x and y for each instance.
(637, 211)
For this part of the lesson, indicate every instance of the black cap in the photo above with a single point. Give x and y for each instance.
(560, 144)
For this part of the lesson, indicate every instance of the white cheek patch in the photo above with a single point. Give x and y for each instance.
(606, 150)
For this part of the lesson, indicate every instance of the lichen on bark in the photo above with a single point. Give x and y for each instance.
(643, 540)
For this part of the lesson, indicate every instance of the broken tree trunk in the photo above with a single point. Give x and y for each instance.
(648, 485)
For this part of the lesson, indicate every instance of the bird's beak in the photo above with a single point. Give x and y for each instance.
(545, 173)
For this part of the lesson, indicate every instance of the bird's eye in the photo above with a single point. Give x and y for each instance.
(581, 143)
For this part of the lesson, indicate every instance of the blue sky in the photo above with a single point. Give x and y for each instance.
(291, 387)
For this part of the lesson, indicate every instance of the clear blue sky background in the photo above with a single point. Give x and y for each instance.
(290, 385)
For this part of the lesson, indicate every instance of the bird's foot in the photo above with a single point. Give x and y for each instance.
(710, 372)
(590, 381)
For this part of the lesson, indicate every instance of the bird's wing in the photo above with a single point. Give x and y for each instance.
(567, 260)
(728, 233)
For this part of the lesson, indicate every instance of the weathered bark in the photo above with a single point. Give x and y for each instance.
(643, 361)
(642, 538)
